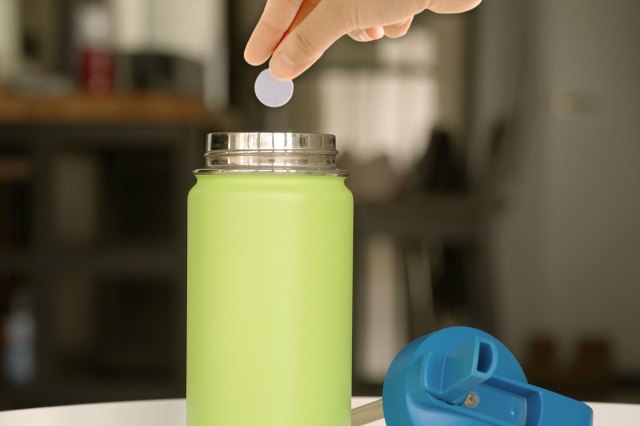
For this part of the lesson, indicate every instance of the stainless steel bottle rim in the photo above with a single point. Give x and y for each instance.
(270, 141)
(271, 152)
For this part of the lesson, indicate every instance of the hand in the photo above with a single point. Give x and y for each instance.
(295, 33)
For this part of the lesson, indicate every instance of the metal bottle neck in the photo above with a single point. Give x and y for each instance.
(263, 152)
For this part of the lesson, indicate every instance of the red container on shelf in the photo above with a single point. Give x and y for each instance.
(96, 58)
(97, 71)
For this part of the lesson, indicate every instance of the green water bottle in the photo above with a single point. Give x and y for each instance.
(270, 241)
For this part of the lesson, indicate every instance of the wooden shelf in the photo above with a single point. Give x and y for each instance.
(141, 108)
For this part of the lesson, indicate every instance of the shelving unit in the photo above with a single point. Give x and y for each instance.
(97, 189)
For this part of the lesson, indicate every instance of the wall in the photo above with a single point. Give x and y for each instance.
(566, 243)
(592, 89)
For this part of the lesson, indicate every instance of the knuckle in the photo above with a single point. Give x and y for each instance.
(302, 43)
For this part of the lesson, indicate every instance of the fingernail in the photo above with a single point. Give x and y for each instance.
(281, 66)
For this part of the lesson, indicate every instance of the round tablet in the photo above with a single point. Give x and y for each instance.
(271, 91)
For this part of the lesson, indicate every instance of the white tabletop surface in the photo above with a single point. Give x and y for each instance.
(171, 412)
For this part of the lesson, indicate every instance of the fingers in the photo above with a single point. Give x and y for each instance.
(375, 33)
(391, 31)
(274, 22)
(452, 6)
(305, 44)
(359, 35)
(368, 34)
(399, 29)
(301, 30)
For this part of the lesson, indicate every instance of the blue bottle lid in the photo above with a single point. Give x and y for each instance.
(460, 376)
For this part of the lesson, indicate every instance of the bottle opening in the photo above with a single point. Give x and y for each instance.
(265, 152)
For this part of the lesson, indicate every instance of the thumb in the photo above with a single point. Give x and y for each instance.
(304, 45)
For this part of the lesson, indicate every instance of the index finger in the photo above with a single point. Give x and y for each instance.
(304, 45)
(274, 22)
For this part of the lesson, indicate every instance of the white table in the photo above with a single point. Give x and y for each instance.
(171, 412)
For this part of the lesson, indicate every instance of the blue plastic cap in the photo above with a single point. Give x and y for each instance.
(461, 376)
(450, 377)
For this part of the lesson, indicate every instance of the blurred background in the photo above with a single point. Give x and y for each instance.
(494, 158)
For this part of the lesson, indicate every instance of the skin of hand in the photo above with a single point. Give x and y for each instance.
(295, 33)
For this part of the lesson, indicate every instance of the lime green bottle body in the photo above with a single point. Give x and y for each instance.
(269, 300)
